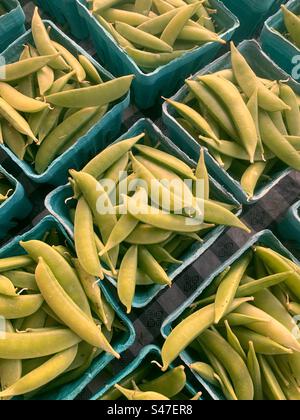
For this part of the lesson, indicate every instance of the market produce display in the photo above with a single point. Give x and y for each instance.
(249, 125)
(5, 188)
(138, 212)
(57, 320)
(148, 383)
(138, 234)
(153, 33)
(50, 99)
(243, 333)
(292, 24)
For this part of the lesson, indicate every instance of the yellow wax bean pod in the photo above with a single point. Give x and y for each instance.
(20, 306)
(159, 194)
(139, 395)
(199, 35)
(229, 286)
(141, 38)
(13, 263)
(60, 136)
(262, 344)
(97, 166)
(189, 329)
(232, 362)
(255, 372)
(173, 163)
(238, 110)
(206, 372)
(278, 263)
(10, 370)
(266, 301)
(35, 321)
(91, 71)
(123, 228)
(148, 235)
(162, 6)
(96, 196)
(43, 42)
(152, 268)
(123, 42)
(291, 21)
(292, 116)
(123, 16)
(16, 119)
(163, 220)
(210, 101)
(93, 96)
(26, 85)
(92, 290)
(22, 280)
(68, 311)
(234, 150)
(149, 60)
(19, 101)
(99, 5)
(270, 328)
(157, 25)
(7, 288)
(42, 375)
(249, 82)
(253, 108)
(24, 68)
(271, 380)
(202, 175)
(177, 23)
(221, 375)
(36, 344)
(62, 270)
(85, 240)
(251, 177)
(71, 60)
(169, 384)
(143, 6)
(215, 213)
(194, 118)
(234, 341)
(127, 277)
(45, 78)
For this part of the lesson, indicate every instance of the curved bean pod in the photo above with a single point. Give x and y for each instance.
(92, 96)
(68, 311)
(36, 344)
(140, 396)
(127, 277)
(189, 329)
(85, 240)
(43, 374)
(43, 42)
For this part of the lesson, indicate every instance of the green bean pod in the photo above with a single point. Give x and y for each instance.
(189, 329)
(42, 375)
(68, 311)
(64, 273)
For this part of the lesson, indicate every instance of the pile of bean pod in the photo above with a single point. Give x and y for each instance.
(147, 383)
(57, 321)
(244, 332)
(49, 99)
(155, 32)
(138, 246)
(5, 188)
(292, 24)
(250, 125)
